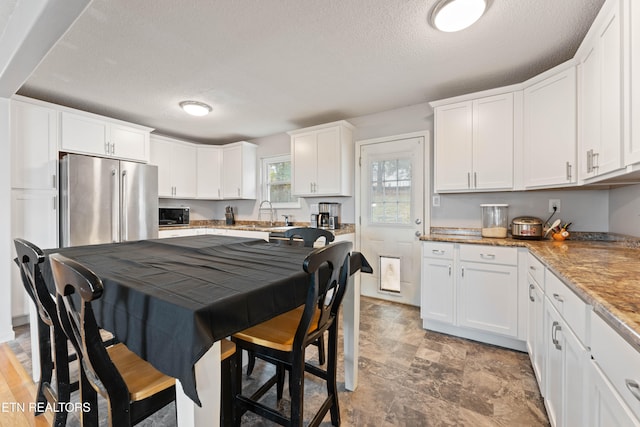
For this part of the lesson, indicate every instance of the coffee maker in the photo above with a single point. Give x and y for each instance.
(329, 215)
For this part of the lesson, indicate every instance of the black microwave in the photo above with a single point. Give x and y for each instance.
(174, 216)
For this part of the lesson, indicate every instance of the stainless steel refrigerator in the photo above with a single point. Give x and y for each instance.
(106, 200)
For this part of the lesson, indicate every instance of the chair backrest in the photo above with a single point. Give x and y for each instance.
(309, 235)
(76, 287)
(29, 259)
(328, 269)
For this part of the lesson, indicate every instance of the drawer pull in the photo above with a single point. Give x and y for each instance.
(531, 267)
(633, 387)
(558, 298)
(555, 327)
(531, 296)
(488, 256)
(449, 270)
(437, 251)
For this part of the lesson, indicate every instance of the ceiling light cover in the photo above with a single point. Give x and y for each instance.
(456, 15)
(195, 108)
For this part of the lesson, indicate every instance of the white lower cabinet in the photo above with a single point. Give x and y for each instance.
(437, 296)
(472, 291)
(616, 370)
(535, 327)
(565, 392)
(606, 407)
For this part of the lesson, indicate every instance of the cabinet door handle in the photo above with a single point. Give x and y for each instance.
(555, 327)
(468, 179)
(462, 269)
(596, 156)
(568, 171)
(106, 148)
(633, 387)
(475, 180)
(218, 193)
(437, 251)
(531, 289)
(589, 161)
(54, 181)
(238, 191)
(55, 206)
(449, 270)
(487, 256)
(558, 297)
(113, 148)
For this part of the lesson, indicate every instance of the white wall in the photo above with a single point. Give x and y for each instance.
(6, 330)
(624, 210)
(586, 209)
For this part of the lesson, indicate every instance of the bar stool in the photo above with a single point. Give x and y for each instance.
(284, 339)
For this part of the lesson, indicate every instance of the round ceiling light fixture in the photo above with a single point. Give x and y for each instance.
(455, 15)
(195, 108)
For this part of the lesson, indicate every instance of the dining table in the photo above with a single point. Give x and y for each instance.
(172, 300)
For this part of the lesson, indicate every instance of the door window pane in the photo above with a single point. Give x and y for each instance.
(390, 191)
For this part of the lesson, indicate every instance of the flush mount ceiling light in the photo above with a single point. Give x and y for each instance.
(195, 108)
(456, 15)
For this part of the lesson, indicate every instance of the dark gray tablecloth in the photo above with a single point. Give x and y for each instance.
(169, 300)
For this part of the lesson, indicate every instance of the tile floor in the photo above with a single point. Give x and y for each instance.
(408, 377)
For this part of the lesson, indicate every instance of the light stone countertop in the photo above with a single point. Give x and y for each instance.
(604, 273)
(253, 226)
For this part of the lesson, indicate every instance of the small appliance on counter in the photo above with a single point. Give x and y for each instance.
(228, 216)
(494, 220)
(173, 216)
(329, 215)
(526, 228)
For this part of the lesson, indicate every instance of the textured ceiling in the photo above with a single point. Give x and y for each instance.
(271, 66)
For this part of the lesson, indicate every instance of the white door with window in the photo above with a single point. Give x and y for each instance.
(392, 214)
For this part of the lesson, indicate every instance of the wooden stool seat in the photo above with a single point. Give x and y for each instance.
(277, 333)
(142, 379)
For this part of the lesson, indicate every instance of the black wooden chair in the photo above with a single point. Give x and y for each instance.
(284, 339)
(309, 236)
(132, 387)
(51, 337)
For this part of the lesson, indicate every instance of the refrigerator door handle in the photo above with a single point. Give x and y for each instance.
(114, 206)
(125, 226)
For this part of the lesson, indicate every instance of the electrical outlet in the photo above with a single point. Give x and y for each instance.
(554, 203)
(435, 201)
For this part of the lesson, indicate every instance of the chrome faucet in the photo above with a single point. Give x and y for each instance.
(270, 209)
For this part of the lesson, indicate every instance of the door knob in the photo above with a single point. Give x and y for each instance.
(418, 234)
(418, 221)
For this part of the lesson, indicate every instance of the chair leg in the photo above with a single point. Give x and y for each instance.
(236, 387)
(46, 364)
(332, 363)
(321, 353)
(89, 398)
(252, 362)
(296, 384)
(63, 381)
(280, 371)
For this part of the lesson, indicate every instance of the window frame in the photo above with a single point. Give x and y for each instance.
(265, 161)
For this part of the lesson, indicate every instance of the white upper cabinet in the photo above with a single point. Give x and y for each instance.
(474, 144)
(176, 161)
(550, 129)
(322, 160)
(601, 95)
(239, 170)
(34, 146)
(91, 134)
(209, 170)
(632, 148)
